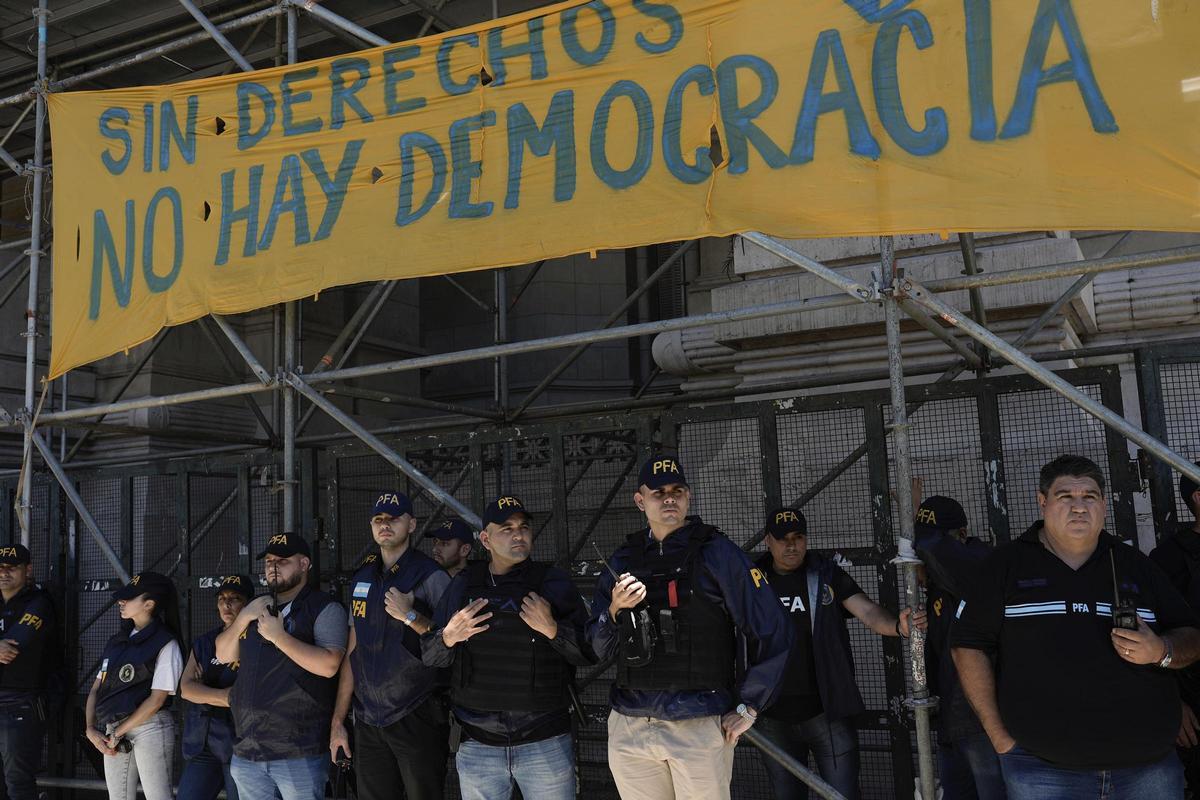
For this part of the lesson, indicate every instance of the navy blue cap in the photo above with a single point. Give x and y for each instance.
(286, 545)
(499, 510)
(660, 471)
(453, 529)
(154, 584)
(237, 583)
(941, 514)
(14, 554)
(394, 504)
(783, 521)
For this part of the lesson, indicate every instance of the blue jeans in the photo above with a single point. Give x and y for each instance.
(833, 744)
(203, 776)
(289, 779)
(544, 770)
(970, 769)
(1028, 777)
(21, 733)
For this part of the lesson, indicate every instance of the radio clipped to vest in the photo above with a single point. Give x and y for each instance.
(636, 627)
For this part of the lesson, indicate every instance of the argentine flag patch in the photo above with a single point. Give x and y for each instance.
(361, 590)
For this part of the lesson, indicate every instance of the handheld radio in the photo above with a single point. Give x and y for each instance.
(1124, 611)
(637, 630)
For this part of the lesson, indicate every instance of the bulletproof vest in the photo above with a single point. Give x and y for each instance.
(127, 671)
(508, 667)
(389, 677)
(40, 658)
(280, 709)
(204, 724)
(694, 648)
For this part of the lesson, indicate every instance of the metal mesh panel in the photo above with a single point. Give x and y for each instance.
(451, 468)
(1037, 426)
(266, 518)
(39, 521)
(213, 524)
(600, 465)
(812, 443)
(945, 452)
(155, 526)
(1181, 397)
(722, 462)
(103, 499)
(360, 480)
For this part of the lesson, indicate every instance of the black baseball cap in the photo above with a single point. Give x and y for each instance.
(939, 513)
(499, 510)
(285, 545)
(394, 504)
(237, 583)
(14, 554)
(453, 529)
(783, 521)
(661, 471)
(1187, 488)
(154, 584)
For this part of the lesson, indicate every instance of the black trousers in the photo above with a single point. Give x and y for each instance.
(412, 751)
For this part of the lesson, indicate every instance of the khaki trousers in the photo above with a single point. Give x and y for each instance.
(656, 759)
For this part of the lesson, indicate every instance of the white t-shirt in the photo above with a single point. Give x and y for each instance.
(168, 667)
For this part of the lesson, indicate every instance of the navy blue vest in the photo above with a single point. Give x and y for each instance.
(127, 670)
(831, 641)
(389, 678)
(41, 656)
(280, 709)
(207, 726)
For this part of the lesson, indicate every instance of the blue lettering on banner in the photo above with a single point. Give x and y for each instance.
(888, 103)
(816, 102)
(623, 179)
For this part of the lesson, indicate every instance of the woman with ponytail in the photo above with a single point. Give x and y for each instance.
(127, 716)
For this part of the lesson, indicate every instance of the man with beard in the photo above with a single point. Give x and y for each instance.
(401, 729)
(290, 645)
(29, 653)
(452, 543)
(511, 629)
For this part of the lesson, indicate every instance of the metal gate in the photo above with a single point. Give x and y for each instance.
(980, 441)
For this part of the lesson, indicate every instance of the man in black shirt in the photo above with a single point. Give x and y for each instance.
(819, 694)
(1075, 706)
(1179, 556)
(967, 765)
(29, 652)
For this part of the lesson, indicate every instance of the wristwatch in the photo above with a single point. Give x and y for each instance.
(745, 712)
(1166, 659)
(410, 618)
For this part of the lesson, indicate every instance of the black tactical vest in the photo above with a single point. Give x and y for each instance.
(206, 725)
(40, 658)
(508, 667)
(127, 667)
(695, 638)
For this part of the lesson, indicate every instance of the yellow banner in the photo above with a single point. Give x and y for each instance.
(616, 123)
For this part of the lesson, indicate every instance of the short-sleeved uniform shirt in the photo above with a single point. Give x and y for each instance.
(1064, 693)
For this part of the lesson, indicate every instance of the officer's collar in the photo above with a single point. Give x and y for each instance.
(27, 589)
(145, 633)
(688, 523)
(1104, 543)
(394, 568)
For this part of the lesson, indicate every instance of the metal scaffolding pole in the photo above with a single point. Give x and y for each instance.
(617, 313)
(338, 21)
(920, 701)
(35, 259)
(69, 490)
(217, 36)
(926, 299)
(243, 349)
(289, 358)
(377, 444)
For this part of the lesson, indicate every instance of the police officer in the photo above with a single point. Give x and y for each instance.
(1075, 706)
(967, 765)
(678, 705)
(29, 653)
(511, 629)
(819, 694)
(208, 725)
(127, 709)
(1178, 555)
(400, 728)
(452, 543)
(290, 645)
